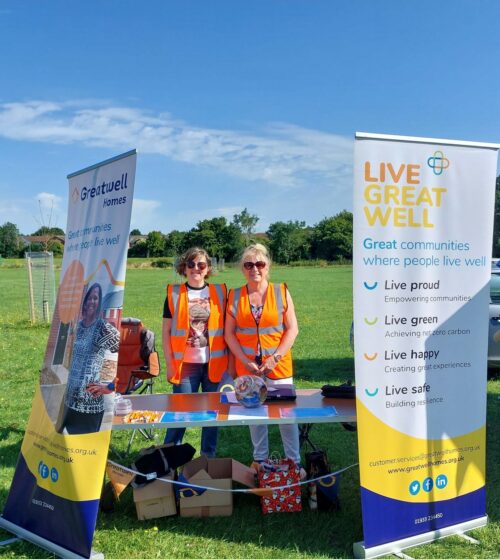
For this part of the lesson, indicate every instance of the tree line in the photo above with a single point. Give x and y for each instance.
(288, 241)
(13, 246)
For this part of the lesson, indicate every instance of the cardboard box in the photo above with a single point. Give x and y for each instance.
(156, 499)
(218, 473)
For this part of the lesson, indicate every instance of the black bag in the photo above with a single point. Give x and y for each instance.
(108, 498)
(346, 390)
(159, 461)
(147, 344)
(325, 491)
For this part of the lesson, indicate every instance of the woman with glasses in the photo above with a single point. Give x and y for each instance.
(261, 328)
(193, 337)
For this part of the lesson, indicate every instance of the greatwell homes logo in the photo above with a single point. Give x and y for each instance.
(112, 193)
(438, 162)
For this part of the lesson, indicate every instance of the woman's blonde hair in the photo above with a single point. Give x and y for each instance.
(256, 248)
(191, 254)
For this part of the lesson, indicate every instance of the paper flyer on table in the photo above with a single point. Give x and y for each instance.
(329, 411)
(240, 412)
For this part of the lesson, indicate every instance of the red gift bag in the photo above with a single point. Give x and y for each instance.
(280, 473)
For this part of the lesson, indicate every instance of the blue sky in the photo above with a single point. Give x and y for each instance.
(231, 104)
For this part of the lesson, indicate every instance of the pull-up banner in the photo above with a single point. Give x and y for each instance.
(423, 225)
(54, 496)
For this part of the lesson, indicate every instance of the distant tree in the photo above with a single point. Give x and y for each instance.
(209, 234)
(47, 242)
(155, 243)
(9, 240)
(232, 242)
(48, 231)
(174, 243)
(138, 250)
(332, 237)
(218, 237)
(496, 223)
(289, 241)
(246, 223)
(55, 247)
(203, 238)
(135, 232)
(33, 247)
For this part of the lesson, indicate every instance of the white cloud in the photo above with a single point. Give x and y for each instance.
(282, 154)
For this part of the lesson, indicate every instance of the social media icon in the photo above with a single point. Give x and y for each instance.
(414, 487)
(427, 484)
(54, 474)
(44, 470)
(441, 481)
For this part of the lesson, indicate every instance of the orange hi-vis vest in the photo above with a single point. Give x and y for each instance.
(178, 305)
(268, 332)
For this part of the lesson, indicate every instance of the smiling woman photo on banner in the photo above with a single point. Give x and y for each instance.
(95, 338)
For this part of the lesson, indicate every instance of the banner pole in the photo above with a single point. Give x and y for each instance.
(31, 537)
(431, 141)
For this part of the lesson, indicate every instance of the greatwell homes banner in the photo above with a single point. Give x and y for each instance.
(423, 225)
(54, 496)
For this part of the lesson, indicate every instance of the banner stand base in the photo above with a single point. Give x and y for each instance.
(59, 551)
(9, 541)
(361, 552)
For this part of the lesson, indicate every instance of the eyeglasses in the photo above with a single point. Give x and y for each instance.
(192, 264)
(260, 265)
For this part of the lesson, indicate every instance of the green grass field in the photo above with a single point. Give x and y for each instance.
(323, 299)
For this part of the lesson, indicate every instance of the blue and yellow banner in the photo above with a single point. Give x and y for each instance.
(423, 226)
(54, 496)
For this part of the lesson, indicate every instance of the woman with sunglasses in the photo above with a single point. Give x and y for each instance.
(193, 337)
(261, 328)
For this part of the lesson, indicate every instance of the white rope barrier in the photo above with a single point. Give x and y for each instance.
(154, 476)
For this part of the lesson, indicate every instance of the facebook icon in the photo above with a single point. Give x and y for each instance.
(427, 484)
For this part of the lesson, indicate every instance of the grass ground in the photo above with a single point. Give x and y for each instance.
(323, 299)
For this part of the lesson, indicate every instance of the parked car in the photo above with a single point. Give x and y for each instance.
(494, 325)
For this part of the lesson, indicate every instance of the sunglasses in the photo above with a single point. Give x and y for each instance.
(260, 265)
(191, 264)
